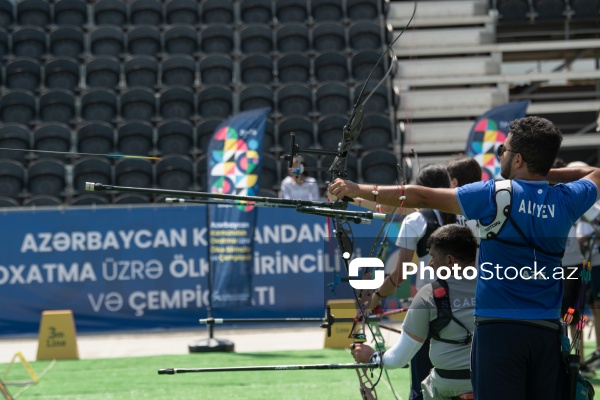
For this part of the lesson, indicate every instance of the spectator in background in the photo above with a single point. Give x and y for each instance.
(298, 185)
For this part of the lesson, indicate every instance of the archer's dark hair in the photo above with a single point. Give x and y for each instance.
(456, 240)
(436, 176)
(433, 176)
(464, 170)
(538, 140)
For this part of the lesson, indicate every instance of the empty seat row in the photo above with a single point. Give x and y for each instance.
(22, 106)
(154, 12)
(178, 136)
(108, 72)
(72, 41)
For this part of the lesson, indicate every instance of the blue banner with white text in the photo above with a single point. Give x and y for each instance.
(146, 267)
(234, 166)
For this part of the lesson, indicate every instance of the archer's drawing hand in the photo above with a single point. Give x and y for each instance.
(341, 188)
(361, 352)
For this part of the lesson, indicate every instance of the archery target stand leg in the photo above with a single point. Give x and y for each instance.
(5, 393)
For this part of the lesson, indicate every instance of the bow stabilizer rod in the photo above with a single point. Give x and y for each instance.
(173, 371)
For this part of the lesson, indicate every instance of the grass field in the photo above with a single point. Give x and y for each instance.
(137, 378)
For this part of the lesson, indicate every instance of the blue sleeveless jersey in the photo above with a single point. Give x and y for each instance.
(517, 281)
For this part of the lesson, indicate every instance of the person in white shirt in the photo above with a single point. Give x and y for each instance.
(298, 185)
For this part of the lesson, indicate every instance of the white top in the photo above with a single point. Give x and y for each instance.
(307, 190)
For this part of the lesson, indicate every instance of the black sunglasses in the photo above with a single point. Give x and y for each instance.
(501, 149)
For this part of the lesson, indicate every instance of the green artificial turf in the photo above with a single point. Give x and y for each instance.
(137, 378)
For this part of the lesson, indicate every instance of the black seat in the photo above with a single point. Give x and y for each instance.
(256, 96)
(585, 9)
(4, 49)
(379, 101)
(33, 12)
(363, 9)
(175, 136)
(216, 69)
(110, 12)
(14, 136)
(146, 12)
(144, 39)
(179, 69)
(215, 101)
(89, 199)
(292, 37)
(107, 40)
(550, 10)
(42, 200)
(329, 130)
(294, 99)
(131, 198)
(47, 176)
(379, 166)
(329, 36)
(52, 136)
(99, 105)
(17, 106)
(57, 105)
(513, 11)
(256, 11)
(303, 129)
(204, 132)
(133, 172)
(96, 137)
(217, 11)
(217, 39)
(365, 35)
(70, 12)
(378, 130)
(256, 68)
(331, 66)
(364, 64)
(23, 73)
(138, 103)
(103, 72)
(269, 174)
(332, 98)
(92, 169)
(67, 41)
(6, 202)
(62, 73)
(177, 102)
(29, 41)
(256, 38)
(175, 172)
(327, 10)
(182, 12)
(291, 11)
(7, 13)
(12, 178)
(135, 138)
(141, 70)
(181, 39)
(293, 67)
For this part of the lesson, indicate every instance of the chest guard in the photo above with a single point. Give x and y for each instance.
(432, 225)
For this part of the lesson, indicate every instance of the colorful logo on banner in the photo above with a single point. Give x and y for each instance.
(234, 164)
(490, 131)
